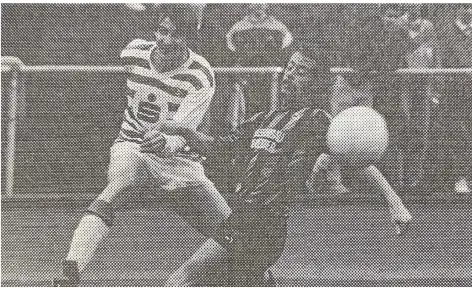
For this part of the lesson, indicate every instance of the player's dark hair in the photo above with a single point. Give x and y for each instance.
(184, 16)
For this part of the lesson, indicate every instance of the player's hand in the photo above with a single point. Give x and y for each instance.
(153, 142)
(170, 127)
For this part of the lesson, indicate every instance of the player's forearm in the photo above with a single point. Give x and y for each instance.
(398, 212)
(380, 184)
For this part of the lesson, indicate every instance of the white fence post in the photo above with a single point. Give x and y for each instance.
(13, 65)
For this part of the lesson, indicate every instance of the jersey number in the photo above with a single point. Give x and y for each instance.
(148, 112)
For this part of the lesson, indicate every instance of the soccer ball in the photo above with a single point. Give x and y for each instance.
(358, 137)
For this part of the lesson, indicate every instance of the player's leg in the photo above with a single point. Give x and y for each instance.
(243, 261)
(399, 214)
(126, 173)
(207, 267)
(202, 207)
(256, 245)
(192, 195)
(391, 165)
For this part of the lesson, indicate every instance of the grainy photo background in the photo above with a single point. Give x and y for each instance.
(56, 160)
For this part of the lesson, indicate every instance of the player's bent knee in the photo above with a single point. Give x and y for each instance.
(119, 184)
(102, 209)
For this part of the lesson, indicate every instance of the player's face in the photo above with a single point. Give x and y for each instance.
(168, 40)
(297, 82)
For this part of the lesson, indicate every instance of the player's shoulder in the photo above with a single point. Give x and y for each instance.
(206, 77)
(198, 60)
(140, 44)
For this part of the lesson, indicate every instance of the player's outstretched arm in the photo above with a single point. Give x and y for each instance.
(399, 214)
(207, 145)
(198, 141)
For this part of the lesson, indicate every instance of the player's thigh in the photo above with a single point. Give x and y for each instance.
(127, 172)
(182, 183)
(204, 197)
(202, 207)
(207, 267)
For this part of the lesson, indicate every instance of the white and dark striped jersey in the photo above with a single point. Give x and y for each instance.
(182, 94)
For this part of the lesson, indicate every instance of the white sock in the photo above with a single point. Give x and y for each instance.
(88, 235)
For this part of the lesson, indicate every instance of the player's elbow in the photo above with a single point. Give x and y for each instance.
(180, 278)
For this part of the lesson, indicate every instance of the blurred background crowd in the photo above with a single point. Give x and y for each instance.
(91, 34)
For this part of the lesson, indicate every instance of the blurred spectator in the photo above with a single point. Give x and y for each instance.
(456, 47)
(258, 38)
(375, 50)
(422, 53)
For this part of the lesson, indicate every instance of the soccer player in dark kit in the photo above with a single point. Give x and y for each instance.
(276, 154)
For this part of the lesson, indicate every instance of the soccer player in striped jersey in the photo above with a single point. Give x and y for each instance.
(166, 81)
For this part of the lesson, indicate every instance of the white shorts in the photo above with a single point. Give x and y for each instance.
(126, 160)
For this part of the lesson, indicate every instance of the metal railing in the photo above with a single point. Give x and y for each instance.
(17, 69)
